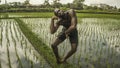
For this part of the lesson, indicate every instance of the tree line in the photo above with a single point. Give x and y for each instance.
(47, 6)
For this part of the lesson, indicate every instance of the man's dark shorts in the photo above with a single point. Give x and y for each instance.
(73, 36)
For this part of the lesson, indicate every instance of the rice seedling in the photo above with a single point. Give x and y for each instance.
(0, 33)
(11, 52)
(96, 41)
(99, 41)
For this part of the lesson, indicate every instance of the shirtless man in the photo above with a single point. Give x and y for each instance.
(68, 20)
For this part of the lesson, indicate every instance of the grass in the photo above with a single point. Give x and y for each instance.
(41, 47)
(34, 14)
(50, 14)
(88, 15)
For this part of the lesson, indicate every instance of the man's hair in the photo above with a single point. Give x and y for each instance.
(56, 11)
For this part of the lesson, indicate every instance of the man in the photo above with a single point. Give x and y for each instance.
(68, 20)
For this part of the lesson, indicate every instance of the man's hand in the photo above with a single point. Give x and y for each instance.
(53, 26)
(66, 35)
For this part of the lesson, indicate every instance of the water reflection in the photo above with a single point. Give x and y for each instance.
(15, 49)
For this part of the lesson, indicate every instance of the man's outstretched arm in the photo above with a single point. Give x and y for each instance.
(53, 26)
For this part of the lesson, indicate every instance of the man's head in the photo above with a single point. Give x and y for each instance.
(58, 12)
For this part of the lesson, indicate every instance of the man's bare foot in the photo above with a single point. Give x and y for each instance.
(61, 61)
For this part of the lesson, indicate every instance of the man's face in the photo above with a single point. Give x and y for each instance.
(60, 13)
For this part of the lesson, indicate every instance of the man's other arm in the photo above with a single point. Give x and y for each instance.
(53, 26)
(73, 21)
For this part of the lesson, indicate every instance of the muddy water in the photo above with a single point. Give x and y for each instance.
(15, 50)
(99, 41)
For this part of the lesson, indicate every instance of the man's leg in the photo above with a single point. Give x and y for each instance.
(71, 52)
(73, 37)
(55, 48)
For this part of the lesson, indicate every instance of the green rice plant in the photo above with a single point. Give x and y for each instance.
(6, 42)
(6, 32)
(15, 29)
(19, 22)
(8, 54)
(0, 65)
(0, 36)
(50, 14)
(5, 15)
(91, 31)
(39, 46)
(12, 34)
(4, 45)
(31, 62)
(20, 63)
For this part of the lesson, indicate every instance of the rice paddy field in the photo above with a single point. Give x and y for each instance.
(99, 43)
(15, 49)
